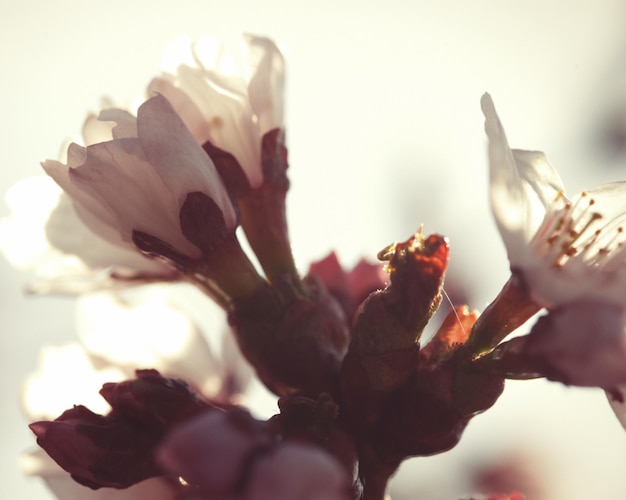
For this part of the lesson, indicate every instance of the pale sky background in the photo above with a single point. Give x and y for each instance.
(385, 132)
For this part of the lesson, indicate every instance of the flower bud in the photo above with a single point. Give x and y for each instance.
(116, 450)
(384, 346)
(211, 452)
(296, 341)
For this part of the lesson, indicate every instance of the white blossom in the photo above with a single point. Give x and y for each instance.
(565, 249)
(231, 98)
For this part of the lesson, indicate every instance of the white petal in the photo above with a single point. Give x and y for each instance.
(184, 106)
(540, 181)
(223, 64)
(267, 82)
(48, 238)
(142, 328)
(66, 376)
(231, 120)
(64, 487)
(22, 235)
(519, 192)
(609, 200)
(177, 158)
(77, 155)
(119, 177)
(68, 233)
(125, 122)
(95, 130)
(596, 268)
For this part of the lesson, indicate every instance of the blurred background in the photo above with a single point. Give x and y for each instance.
(385, 133)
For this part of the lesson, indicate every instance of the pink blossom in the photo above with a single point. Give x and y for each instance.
(211, 451)
(298, 471)
(582, 343)
(138, 183)
(230, 455)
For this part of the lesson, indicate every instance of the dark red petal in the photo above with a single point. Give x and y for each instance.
(202, 222)
(151, 246)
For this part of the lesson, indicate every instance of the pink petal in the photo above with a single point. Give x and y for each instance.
(211, 450)
(298, 471)
(97, 216)
(181, 163)
(99, 248)
(118, 176)
(582, 343)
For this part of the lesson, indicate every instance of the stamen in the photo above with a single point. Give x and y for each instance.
(567, 232)
(610, 247)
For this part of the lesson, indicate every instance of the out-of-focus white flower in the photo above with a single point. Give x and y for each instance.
(228, 98)
(570, 256)
(65, 488)
(67, 375)
(44, 235)
(152, 326)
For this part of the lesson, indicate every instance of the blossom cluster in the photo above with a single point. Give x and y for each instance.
(163, 196)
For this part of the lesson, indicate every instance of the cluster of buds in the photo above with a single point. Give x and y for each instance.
(359, 391)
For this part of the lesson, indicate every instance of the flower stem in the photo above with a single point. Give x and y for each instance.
(509, 310)
(374, 475)
(375, 488)
(264, 221)
(227, 274)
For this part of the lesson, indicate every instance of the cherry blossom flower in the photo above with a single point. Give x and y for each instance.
(570, 258)
(230, 99)
(566, 249)
(131, 190)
